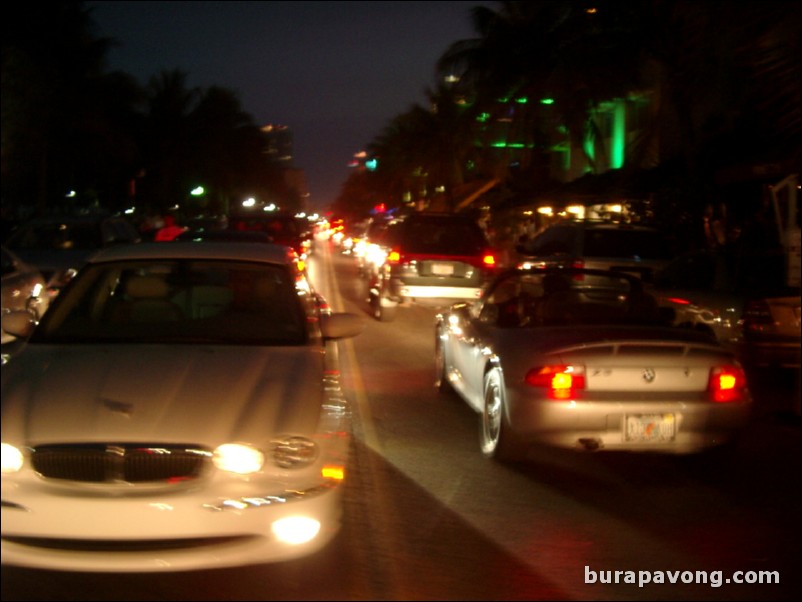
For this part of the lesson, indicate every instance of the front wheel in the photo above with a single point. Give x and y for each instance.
(441, 382)
(382, 308)
(496, 438)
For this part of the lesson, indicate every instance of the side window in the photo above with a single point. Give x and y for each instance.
(554, 241)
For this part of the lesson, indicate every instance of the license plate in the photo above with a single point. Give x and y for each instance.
(650, 427)
(442, 269)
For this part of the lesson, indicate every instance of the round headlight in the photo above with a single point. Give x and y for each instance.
(238, 458)
(296, 529)
(11, 458)
(293, 452)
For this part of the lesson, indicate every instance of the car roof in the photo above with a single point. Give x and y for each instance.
(240, 251)
(603, 225)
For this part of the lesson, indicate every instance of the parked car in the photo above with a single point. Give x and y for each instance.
(744, 298)
(428, 258)
(178, 407)
(284, 228)
(546, 359)
(24, 288)
(631, 248)
(60, 245)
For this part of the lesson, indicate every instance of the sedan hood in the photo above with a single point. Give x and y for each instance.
(201, 395)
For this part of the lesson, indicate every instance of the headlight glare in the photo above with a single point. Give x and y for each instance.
(296, 529)
(11, 458)
(293, 451)
(239, 458)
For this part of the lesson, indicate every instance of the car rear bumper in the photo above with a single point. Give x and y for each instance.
(405, 292)
(590, 426)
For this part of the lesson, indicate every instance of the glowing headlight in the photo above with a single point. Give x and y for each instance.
(296, 529)
(11, 458)
(293, 452)
(238, 458)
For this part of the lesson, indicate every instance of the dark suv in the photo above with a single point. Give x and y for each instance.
(637, 249)
(430, 258)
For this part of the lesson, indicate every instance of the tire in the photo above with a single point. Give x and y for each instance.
(496, 438)
(383, 312)
(441, 382)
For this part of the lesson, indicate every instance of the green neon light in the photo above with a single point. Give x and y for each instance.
(618, 142)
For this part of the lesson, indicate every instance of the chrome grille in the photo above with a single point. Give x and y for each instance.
(114, 463)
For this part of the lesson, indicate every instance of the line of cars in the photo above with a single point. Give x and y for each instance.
(741, 297)
(636, 361)
(178, 405)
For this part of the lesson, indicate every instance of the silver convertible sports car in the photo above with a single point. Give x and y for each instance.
(178, 407)
(546, 358)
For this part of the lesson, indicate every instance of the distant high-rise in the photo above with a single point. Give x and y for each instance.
(278, 151)
(279, 144)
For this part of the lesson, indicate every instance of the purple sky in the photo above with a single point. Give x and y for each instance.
(336, 73)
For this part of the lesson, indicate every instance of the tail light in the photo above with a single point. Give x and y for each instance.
(727, 383)
(561, 382)
(578, 264)
(489, 260)
(393, 256)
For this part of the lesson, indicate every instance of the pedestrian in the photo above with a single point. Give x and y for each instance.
(169, 231)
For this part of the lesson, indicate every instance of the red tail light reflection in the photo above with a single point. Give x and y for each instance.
(727, 383)
(562, 382)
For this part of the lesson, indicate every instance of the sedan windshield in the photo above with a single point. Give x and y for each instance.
(178, 302)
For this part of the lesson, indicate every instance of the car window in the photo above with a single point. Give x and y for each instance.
(553, 241)
(690, 272)
(180, 302)
(643, 244)
(443, 237)
(531, 300)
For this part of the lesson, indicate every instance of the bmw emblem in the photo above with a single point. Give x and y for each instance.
(648, 375)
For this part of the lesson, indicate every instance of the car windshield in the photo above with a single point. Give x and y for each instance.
(443, 237)
(643, 244)
(548, 299)
(178, 302)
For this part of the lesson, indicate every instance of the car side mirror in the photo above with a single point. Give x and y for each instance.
(341, 325)
(19, 323)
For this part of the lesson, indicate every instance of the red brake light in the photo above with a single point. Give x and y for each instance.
(561, 381)
(727, 383)
(578, 264)
(489, 260)
(393, 256)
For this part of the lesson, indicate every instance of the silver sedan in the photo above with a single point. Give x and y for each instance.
(545, 358)
(178, 407)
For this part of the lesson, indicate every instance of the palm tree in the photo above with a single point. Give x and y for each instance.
(51, 80)
(557, 50)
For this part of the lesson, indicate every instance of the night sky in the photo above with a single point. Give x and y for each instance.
(335, 73)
